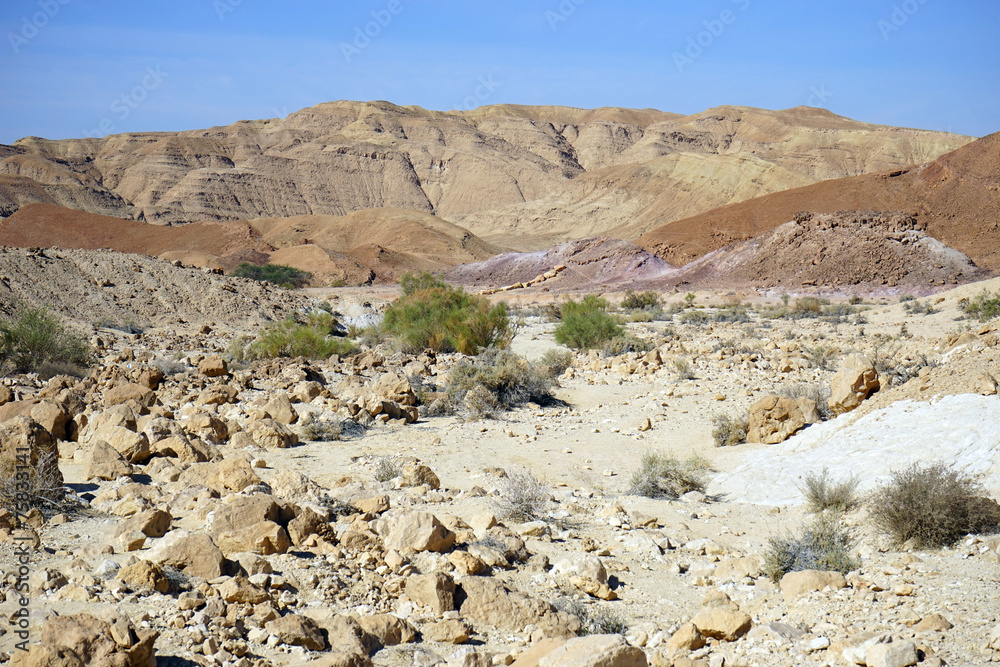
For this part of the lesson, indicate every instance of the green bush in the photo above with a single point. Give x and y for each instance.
(662, 476)
(35, 341)
(311, 339)
(823, 545)
(985, 306)
(933, 505)
(822, 493)
(434, 315)
(640, 300)
(586, 324)
(728, 430)
(284, 276)
(495, 381)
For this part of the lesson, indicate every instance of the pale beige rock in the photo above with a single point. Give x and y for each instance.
(83, 639)
(795, 584)
(372, 504)
(145, 575)
(721, 618)
(22, 435)
(52, 417)
(142, 395)
(465, 563)
(852, 384)
(418, 474)
(280, 409)
(895, 654)
(271, 434)
(295, 630)
(488, 602)
(435, 591)
(809, 409)
(195, 554)
(447, 631)
(395, 387)
(933, 623)
(213, 366)
(388, 629)
(103, 461)
(687, 638)
(419, 531)
(595, 651)
(134, 447)
(773, 419)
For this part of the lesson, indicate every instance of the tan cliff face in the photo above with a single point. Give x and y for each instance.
(518, 176)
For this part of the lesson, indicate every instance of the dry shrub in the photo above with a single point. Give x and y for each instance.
(36, 486)
(555, 362)
(387, 468)
(594, 619)
(495, 381)
(522, 497)
(728, 430)
(823, 493)
(932, 505)
(662, 476)
(823, 545)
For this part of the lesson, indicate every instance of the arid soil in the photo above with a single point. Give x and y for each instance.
(343, 585)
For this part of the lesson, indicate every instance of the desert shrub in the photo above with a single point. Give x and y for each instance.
(647, 300)
(36, 486)
(823, 545)
(508, 378)
(387, 468)
(682, 369)
(933, 505)
(893, 367)
(623, 344)
(127, 325)
(586, 324)
(555, 362)
(732, 314)
(33, 341)
(728, 430)
(855, 300)
(817, 392)
(823, 493)
(521, 496)
(290, 338)
(594, 620)
(284, 276)
(321, 430)
(985, 306)
(919, 308)
(694, 317)
(662, 476)
(821, 356)
(836, 312)
(434, 315)
(806, 306)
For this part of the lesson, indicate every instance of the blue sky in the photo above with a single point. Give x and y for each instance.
(72, 68)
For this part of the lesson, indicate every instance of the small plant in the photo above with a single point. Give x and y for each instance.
(806, 306)
(35, 341)
(682, 369)
(821, 356)
(822, 493)
(689, 299)
(290, 338)
(321, 431)
(387, 468)
(35, 486)
(508, 378)
(823, 545)
(623, 344)
(640, 300)
(694, 317)
(585, 324)
(818, 393)
(985, 306)
(933, 505)
(728, 430)
(522, 497)
(434, 315)
(555, 362)
(662, 476)
(594, 620)
(284, 276)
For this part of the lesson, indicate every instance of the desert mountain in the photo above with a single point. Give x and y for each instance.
(521, 177)
(956, 197)
(361, 247)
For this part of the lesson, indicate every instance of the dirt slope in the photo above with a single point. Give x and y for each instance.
(956, 196)
(530, 175)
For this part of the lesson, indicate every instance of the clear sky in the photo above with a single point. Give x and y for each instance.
(71, 68)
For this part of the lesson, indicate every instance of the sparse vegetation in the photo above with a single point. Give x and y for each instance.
(623, 344)
(434, 315)
(284, 276)
(586, 324)
(387, 468)
(932, 505)
(521, 496)
(823, 493)
(36, 486)
(983, 307)
(34, 341)
(312, 339)
(555, 362)
(682, 369)
(824, 545)
(647, 300)
(322, 431)
(821, 356)
(893, 367)
(728, 430)
(495, 381)
(663, 476)
(594, 620)
(817, 392)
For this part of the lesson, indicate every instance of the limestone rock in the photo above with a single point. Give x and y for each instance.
(773, 419)
(195, 554)
(395, 387)
(52, 417)
(795, 584)
(145, 575)
(894, 654)
(271, 434)
(86, 640)
(852, 384)
(105, 462)
(213, 366)
(595, 651)
(418, 474)
(687, 638)
(372, 504)
(280, 409)
(388, 629)
(488, 602)
(419, 531)
(22, 435)
(721, 618)
(435, 590)
(241, 590)
(296, 630)
(124, 393)
(447, 631)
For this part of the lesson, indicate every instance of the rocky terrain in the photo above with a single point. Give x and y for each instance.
(520, 177)
(956, 197)
(293, 512)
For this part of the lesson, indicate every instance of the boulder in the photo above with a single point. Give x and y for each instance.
(773, 419)
(447, 631)
(270, 434)
(280, 409)
(721, 618)
(856, 379)
(53, 418)
(388, 629)
(435, 590)
(419, 531)
(395, 387)
(241, 590)
(23, 440)
(687, 638)
(795, 584)
(213, 366)
(125, 393)
(144, 575)
(82, 639)
(418, 474)
(296, 630)
(488, 602)
(134, 447)
(105, 462)
(151, 523)
(595, 651)
(195, 554)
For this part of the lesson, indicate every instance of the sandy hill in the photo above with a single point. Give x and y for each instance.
(957, 198)
(518, 176)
